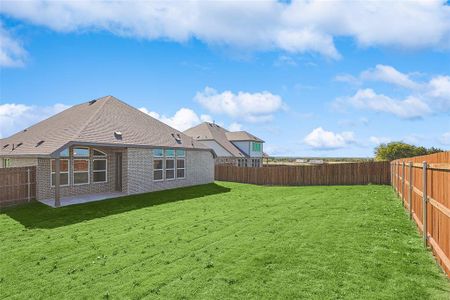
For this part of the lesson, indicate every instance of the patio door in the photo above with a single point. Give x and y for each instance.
(118, 171)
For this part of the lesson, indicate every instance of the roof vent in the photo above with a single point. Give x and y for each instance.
(118, 135)
(39, 143)
(25, 130)
(177, 137)
(92, 101)
(17, 146)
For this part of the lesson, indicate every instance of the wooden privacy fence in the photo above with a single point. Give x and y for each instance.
(17, 185)
(326, 174)
(423, 184)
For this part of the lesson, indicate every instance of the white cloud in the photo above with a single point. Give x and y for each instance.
(445, 138)
(183, 119)
(235, 127)
(251, 107)
(299, 26)
(439, 90)
(409, 108)
(11, 52)
(15, 117)
(328, 140)
(424, 96)
(347, 78)
(390, 75)
(379, 140)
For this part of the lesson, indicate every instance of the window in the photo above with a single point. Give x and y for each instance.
(64, 153)
(242, 162)
(99, 170)
(181, 153)
(170, 153)
(98, 153)
(255, 163)
(80, 171)
(256, 147)
(158, 153)
(80, 152)
(6, 162)
(63, 172)
(157, 169)
(170, 168)
(180, 168)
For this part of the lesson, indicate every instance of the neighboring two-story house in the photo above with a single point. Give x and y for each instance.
(238, 148)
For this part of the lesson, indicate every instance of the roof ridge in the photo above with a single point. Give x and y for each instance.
(88, 121)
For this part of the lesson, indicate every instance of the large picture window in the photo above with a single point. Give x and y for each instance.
(80, 171)
(63, 172)
(168, 164)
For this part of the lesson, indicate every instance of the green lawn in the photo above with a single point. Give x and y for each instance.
(222, 240)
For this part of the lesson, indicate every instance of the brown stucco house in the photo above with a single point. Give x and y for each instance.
(238, 148)
(106, 147)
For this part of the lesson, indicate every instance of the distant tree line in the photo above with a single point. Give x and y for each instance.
(396, 150)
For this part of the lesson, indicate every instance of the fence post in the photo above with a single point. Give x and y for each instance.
(392, 174)
(410, 189)
(403, 183)
(424, 202)
(396, 179)
(29, 184)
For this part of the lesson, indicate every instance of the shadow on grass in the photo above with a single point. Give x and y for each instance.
(38, 215)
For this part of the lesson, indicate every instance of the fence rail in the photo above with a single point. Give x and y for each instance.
(17, 185)
(326, 174)
(423, 185)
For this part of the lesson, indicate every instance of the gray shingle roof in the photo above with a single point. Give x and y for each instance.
(210, 131)
(242, 136)
(96, 122)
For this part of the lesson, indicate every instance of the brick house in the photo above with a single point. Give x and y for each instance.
(238, 148)
(106, 146)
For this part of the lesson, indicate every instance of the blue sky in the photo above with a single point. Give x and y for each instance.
(303, 76)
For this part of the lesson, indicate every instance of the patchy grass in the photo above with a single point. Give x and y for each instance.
(223, 240)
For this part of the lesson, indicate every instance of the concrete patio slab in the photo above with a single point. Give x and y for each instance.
(66, 201)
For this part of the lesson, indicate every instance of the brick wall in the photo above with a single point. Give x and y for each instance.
(45, 191)
(199, 170)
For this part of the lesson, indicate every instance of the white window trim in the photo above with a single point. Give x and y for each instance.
(68, 172)
(98, 171)
(162, 170)
(176, 171)
(76, 172)
(173, 169)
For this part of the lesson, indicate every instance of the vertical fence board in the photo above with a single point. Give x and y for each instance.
(14, 186)
(326, 174)
(437, 209)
